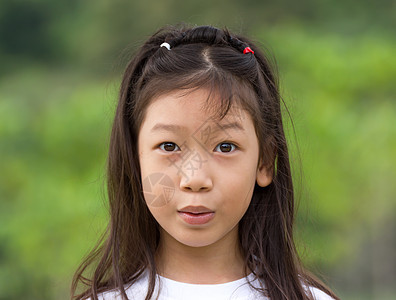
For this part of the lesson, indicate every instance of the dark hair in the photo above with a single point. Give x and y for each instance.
(212, 58)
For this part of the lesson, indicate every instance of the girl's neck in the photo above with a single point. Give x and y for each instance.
(216, 263)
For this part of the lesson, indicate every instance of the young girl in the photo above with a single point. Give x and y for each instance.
(199, 182)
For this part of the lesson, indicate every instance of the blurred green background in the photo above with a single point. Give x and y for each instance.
(60, 66)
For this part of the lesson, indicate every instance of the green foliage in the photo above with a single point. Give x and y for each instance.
(53, 146)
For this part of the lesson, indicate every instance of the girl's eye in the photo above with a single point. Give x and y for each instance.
(225, 147)
(169, 147)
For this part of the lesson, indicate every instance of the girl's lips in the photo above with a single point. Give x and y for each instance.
(196, 218)
(195, 209)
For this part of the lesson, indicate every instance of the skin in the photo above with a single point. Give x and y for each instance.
(216, 170)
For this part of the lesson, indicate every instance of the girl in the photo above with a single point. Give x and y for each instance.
(199, 182)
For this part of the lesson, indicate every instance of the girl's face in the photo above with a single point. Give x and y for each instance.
(198, 172)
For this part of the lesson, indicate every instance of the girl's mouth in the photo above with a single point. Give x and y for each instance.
(196, 218)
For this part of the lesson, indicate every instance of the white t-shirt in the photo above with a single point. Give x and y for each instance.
(174, 290)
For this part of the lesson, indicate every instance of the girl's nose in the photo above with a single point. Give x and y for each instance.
(197, 181)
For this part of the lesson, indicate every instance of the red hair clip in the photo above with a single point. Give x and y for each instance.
(247, 50)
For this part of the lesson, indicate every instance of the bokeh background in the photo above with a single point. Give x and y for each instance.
(60, 66)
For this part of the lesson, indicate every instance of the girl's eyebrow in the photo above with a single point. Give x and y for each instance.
(168, 127)
(178, 128)
(232, 125)
(175, 128)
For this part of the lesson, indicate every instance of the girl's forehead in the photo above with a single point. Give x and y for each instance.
(194, 110)
(212, 103)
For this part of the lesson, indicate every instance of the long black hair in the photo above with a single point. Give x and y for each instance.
(207, 57)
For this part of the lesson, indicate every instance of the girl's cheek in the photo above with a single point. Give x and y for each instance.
(158, 189)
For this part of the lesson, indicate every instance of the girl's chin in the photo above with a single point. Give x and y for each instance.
(195, 243)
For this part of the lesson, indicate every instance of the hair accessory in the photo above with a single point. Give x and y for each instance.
(166, 45)
(247, 50)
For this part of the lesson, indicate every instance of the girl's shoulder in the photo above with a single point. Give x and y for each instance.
(167, 289)
(138, 290)
(319, 294)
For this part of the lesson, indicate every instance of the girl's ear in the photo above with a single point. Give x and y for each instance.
(264, 175)
(265, 169)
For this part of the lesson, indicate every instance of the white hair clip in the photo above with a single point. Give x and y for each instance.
(166, 45)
